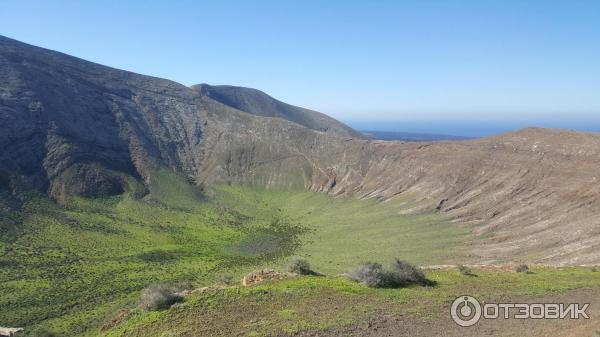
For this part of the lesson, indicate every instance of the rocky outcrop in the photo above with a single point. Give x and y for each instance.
(10, 332)
(264, 275)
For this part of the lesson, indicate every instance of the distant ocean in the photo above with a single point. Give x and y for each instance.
(467, 129)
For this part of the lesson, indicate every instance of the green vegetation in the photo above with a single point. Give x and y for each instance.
(224, 278)
(298, 304)
(40, 332)
(79, 269)
(71, 267)
(346, 232)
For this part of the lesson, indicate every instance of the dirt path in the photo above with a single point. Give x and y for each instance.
(409, 325)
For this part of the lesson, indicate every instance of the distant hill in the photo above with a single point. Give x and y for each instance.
(258, 103)
(410, 136)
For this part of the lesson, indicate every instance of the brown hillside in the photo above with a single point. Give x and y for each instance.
(68, 126)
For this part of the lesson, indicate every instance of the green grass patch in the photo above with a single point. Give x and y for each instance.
(345, 232)
(324, 302)
(71, 267)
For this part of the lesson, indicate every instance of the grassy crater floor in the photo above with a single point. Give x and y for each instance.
(343, 232)
(71, 267)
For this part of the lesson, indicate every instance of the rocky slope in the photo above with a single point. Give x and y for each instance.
(68, 126)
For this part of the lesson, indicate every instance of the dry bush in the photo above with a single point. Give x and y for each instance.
(398, 274)
(158, 297)
(225, 278)
(464, 270)
(522, 268)
(299, 266)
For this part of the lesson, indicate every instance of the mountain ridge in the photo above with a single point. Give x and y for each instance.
(258, 103)
(72, 127)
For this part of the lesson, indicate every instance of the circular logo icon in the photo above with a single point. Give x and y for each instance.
(465, 310)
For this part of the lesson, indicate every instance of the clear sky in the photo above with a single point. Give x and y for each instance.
(355, 60)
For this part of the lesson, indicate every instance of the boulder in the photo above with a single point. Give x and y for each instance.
(10, 332)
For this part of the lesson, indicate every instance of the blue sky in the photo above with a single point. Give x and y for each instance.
(535, 61)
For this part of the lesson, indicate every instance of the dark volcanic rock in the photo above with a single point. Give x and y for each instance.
(57, 111)
(88, 180)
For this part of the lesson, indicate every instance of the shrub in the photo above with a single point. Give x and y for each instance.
(399, 274)
(370, 274)
(464, 270)
(299, 265)
(225, 278)
(157, 297)
(403, 273)
(522, 268)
